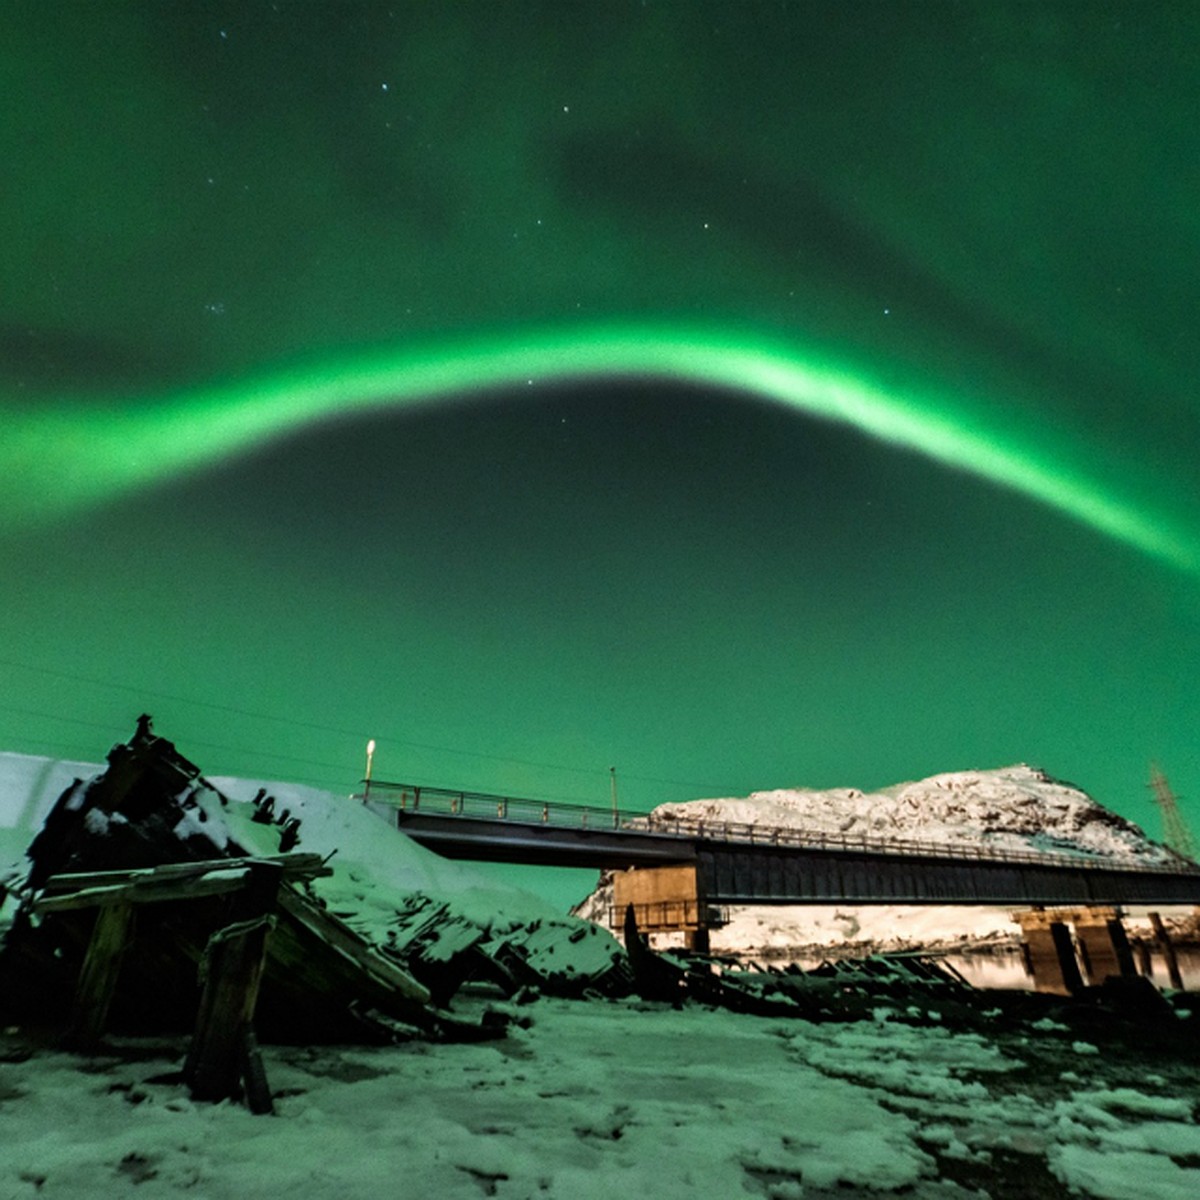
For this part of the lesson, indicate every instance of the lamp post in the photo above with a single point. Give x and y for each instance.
(367, 776)
(612, 775)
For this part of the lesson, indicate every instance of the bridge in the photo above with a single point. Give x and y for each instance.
(705, 864)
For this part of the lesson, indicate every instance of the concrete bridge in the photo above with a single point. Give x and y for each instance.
(709, 865)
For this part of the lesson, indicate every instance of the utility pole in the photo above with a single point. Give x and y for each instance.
(1176, 834)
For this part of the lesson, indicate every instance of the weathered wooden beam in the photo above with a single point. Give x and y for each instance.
(147, 890)
(1163, 938)
(171, 881)
(361, 956)
(218, 1060)
(111, 936)
(1104, 947)
(258, 1092)
(295, 866)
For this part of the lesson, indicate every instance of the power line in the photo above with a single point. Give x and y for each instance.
(590, 772)
(138, 691)
(323, 783)
(258, 752)
(27, 712)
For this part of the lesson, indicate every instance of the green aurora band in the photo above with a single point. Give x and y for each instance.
(83, 452)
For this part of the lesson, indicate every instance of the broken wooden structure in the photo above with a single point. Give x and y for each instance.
(139, 915)
(224, 1059)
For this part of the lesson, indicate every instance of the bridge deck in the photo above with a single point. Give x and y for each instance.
(749, 864)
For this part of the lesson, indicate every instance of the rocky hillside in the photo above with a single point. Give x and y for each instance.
(1017, 808)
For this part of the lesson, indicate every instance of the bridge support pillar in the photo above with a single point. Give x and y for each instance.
(665, 900)
(1103, 945)
(1054, 958)
(1049, 953)
(1163, 939)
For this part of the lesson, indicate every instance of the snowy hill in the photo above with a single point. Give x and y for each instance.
(1011, 808)
(365, 850)
(1018, 808)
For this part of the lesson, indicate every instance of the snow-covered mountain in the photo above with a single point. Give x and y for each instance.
(1017, 808)
(1011, 808)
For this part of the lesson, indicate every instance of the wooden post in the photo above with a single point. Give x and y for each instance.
(224, 1050)
(1064, 949)
(1145, 964)
(258, 1091)
(1121, 947)
(111, 935)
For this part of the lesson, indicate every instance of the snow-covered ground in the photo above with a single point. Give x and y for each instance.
(603, 1099)
(588, 1099)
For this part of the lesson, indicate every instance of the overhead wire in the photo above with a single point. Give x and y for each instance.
(590, 772)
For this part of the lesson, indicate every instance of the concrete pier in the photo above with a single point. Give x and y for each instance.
(1049, 953)
(1066, 949)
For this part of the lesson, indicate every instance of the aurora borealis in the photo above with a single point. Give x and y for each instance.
(743, 395)
(57, 461)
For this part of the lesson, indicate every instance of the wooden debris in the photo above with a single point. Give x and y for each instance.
(98, 977)
(444, 950)
(136, 839)
(231, 972)
(655, 976)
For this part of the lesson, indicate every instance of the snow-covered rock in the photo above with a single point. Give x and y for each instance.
(1010, 808)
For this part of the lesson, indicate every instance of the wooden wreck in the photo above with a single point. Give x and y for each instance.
(135, 917)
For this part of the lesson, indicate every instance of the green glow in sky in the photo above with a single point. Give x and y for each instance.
(744, 394)
(73, 457)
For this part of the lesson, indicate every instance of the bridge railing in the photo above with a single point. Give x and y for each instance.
(663, 916)
(446, 802)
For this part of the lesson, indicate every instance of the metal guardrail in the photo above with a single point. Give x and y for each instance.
(656, 916)
(446, 802)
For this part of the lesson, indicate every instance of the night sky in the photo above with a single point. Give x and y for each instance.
(744, 395)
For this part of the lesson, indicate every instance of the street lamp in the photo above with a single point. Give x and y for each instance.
(367, 776)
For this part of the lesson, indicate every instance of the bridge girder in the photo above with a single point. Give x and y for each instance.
(732, 873)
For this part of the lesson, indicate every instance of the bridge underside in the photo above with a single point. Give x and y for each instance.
(483, 840)
(729, 873)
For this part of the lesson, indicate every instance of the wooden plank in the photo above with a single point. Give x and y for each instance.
(111, 936)
(147, 891)
(172, 881)
(295, 866)
(340, 938)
